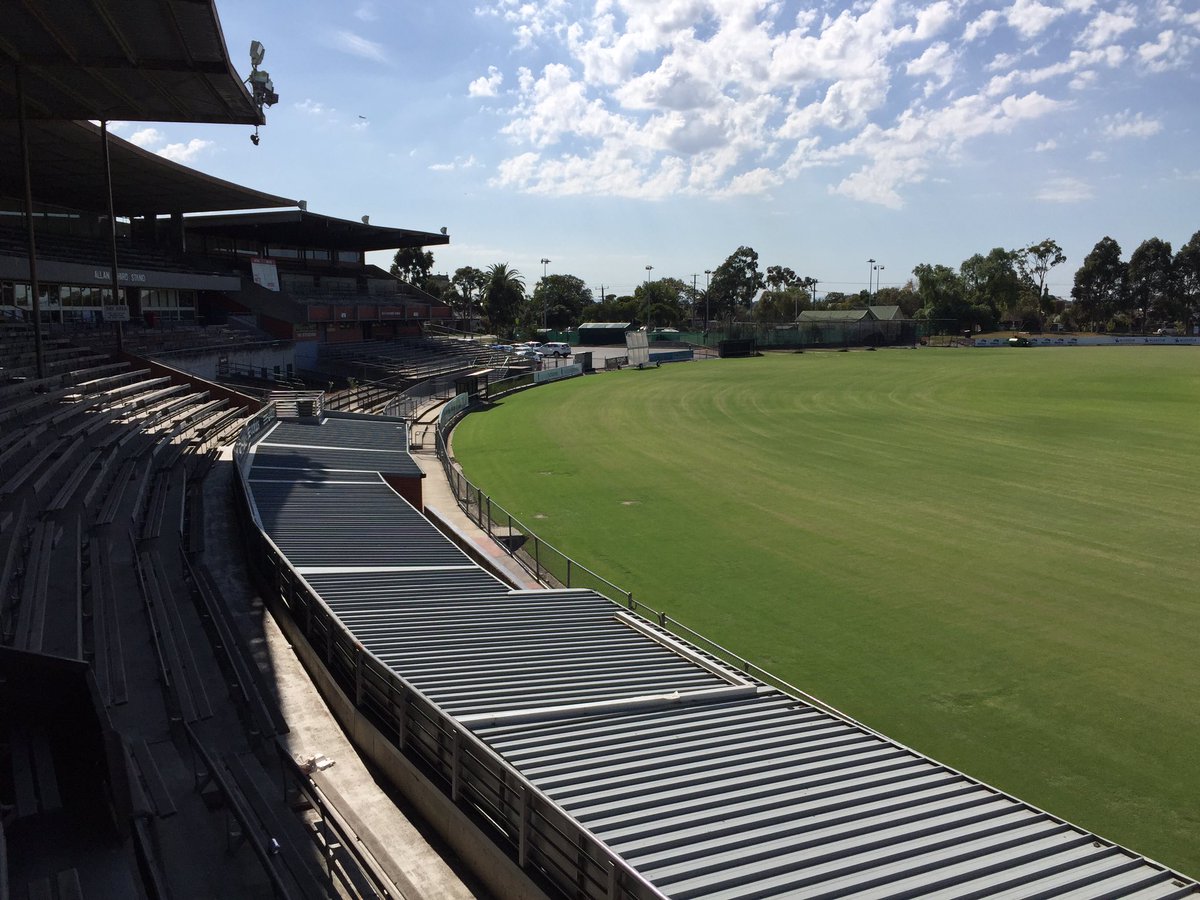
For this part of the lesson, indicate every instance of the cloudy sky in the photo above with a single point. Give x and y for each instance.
(611, 135)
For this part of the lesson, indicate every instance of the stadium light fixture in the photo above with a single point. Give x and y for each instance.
(262, 89)
(648, 268)
(546, 301)
(870, 275)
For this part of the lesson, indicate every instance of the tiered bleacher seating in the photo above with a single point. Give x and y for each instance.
(409, 360)
(96, 250)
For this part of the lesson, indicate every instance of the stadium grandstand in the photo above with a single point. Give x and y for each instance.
(138, 735)
(169, 684)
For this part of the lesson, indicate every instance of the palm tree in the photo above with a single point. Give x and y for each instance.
(502, 297)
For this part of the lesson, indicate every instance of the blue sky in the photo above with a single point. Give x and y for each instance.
(614, 134)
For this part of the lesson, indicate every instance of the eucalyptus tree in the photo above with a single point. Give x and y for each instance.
(1100, 291)
(561, 299)
(1152, 282)
(735, 283)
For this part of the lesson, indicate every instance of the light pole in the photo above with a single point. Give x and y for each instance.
(707, 275)
(879, 268)
(870, 275)
(546, 299)
(649, 324)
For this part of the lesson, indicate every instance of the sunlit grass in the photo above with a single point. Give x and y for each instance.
(989, 555)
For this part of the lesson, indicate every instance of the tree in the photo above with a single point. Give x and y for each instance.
(1187, 279)
(734, 285)
(1152, 282)
(503, 297)
(784, 297)
(1100, 285)
(1038, 259)
(662, 302)
(992, 287)
(944, 297)
(413, 265)
(560, 300)
(904, 297)
(468, 285)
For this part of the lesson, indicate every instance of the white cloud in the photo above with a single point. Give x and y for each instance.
(185, 153)
(983, 26)
(1030, 17)
(1124, 125)
(1043, 146)
(1097, 156)
(457, 163)
(1108, 26)
(147, 137)
(937, 62)
(653, 98)
(1171, 50)
(531, 22)
(486, 85)
(1065, 190)
(312, 107)
(359, 46)
(365, 12)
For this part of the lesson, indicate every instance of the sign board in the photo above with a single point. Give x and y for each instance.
(638, 344)
(265, 273)
(116, 313)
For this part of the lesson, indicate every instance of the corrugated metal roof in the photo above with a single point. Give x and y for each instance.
(475, 650)
(335, 445)
(391, 462)
(340, 434)
(710, 785)
(767, 796)
(349, 524)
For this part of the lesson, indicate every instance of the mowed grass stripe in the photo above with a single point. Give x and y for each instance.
(988, 555)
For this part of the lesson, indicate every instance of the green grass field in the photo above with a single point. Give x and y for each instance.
(989, 555)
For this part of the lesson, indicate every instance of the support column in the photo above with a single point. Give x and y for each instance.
(112, 231)
(33, 278)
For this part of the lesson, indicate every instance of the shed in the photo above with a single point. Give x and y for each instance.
(596, 334)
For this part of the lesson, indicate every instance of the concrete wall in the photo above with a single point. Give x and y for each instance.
(206, 362)
(486, 860)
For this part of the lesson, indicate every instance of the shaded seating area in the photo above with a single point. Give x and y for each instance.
(407, 361)
(127, 656)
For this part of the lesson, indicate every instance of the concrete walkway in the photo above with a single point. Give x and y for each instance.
(416, 861)
(444, 509)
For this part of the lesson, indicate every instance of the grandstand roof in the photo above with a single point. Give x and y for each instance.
(67, 169)
(142, 60)
(298, 226)
(708, 783)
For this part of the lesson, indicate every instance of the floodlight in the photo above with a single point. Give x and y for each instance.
(257, 52)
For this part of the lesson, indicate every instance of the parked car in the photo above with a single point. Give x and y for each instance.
(555, 349)
(503, 348)
(527, 353)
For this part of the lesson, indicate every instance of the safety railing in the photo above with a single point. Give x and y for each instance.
(546, 842)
